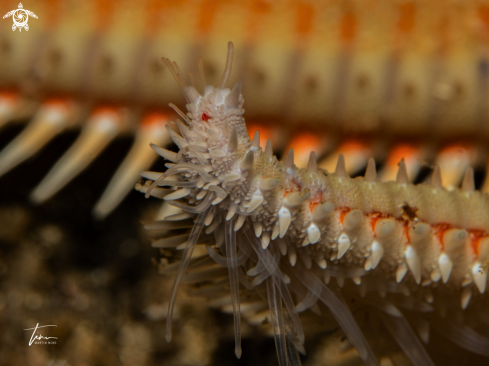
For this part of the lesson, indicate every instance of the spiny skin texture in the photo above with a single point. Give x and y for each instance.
(319, 213)
(388, 238)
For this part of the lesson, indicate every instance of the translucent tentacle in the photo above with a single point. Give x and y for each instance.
(223, 261)
(256, 270)
(406, 338)
(307, 302)
(339, 309)
(195, 209)
(276, 311)
(232, 262)
(463, 336)
(228, 67)
(265, 256)
(187, 254)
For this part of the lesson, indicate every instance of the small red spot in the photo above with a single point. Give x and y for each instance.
(205, 117)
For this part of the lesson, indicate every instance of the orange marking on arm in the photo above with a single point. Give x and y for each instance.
(207, 12)
(103, 14)
(258, 9)
(312, 205)
(444, 34)
(483, 13)
(5, 7)
(10, 96)
(155, 12)
(457, 149)
(294, 187)
(399, 152)
(304, 141)
(304, 19)
(105, 109)
(407, 226)
(440, 232)
(348, 27)
(406, 19)
(373, 220)
(475, 237)
(318, 199)
(52, 13)
(60, 102)
(152, 118)
(153, 15)
(343, 213)
(352, 145)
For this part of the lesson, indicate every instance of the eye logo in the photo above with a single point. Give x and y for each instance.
(20, 17)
